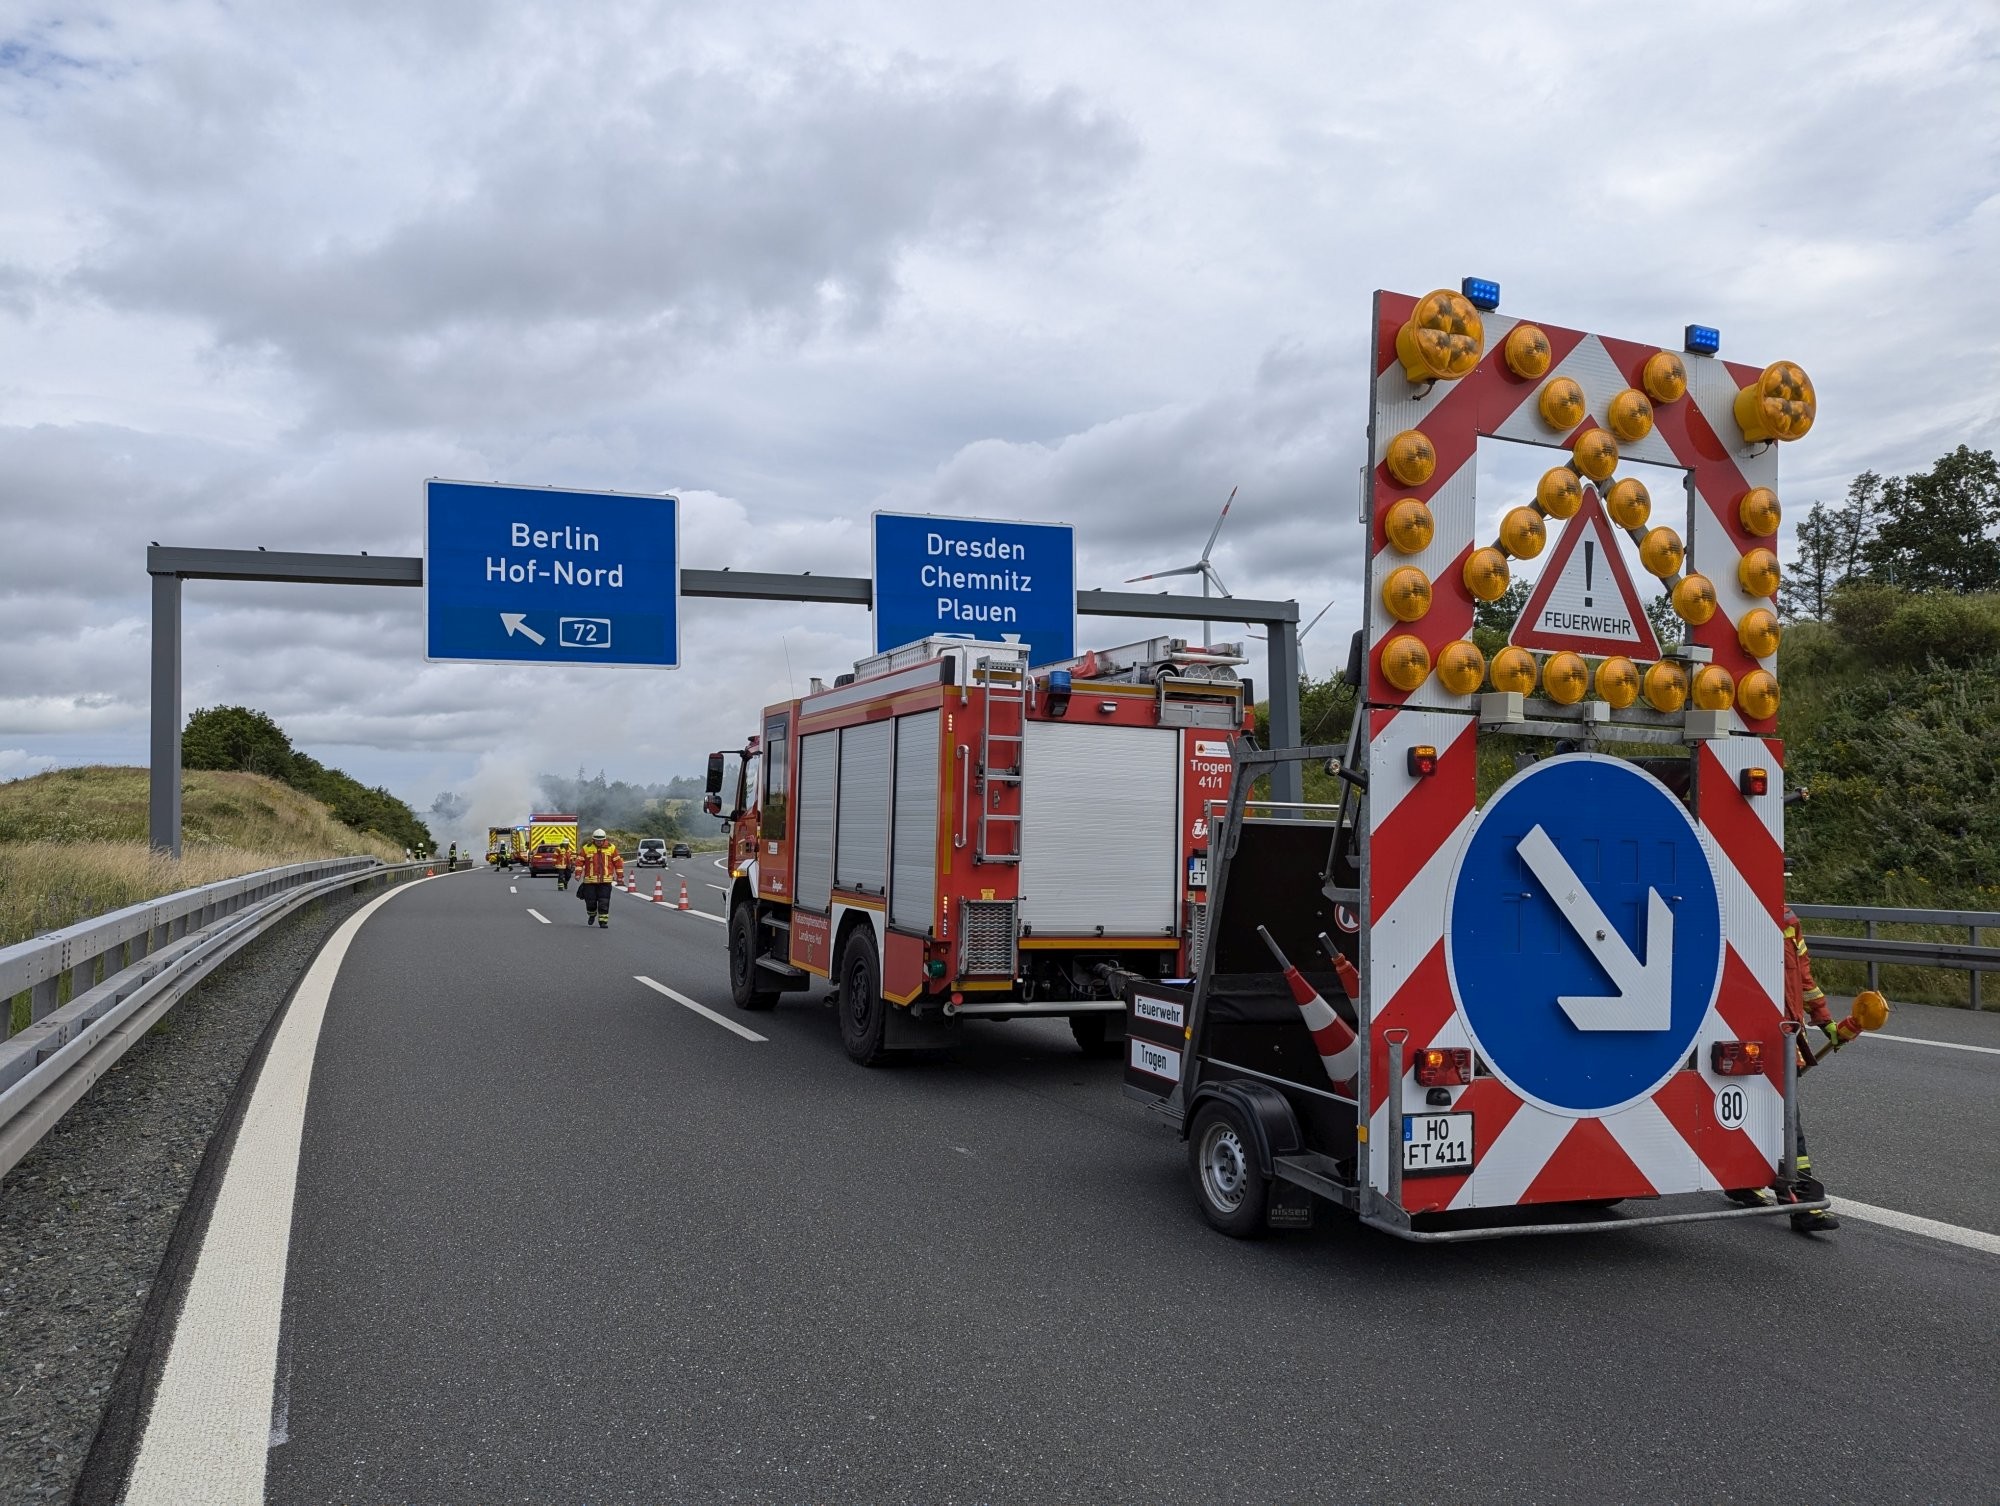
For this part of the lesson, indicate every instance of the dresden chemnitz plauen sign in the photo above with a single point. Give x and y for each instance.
(976, 578)
(530, 574)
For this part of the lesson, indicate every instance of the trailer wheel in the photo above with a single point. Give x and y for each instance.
(743, 990)
(1093, 1035)
(1231, 1190)
(864, 1013)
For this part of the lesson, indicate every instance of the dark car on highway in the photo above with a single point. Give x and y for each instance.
(681, 850)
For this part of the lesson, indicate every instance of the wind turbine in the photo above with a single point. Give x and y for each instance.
(1200, 567)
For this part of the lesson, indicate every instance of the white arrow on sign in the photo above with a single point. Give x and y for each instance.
(516, 622)
(1644, 1000)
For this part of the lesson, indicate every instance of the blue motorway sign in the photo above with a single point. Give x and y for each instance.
(978, 579)
(530, 574)
(1583, 934)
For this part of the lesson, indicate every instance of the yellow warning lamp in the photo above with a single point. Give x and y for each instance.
(1694, 599)
(1409, 526)
(1561, 405)
(1757, 573)
(1514, 669)
(1661, 553)
(1628, 502)
(1526, 351)
(1406, 663)
(1596, 454)
(1665, 377)
(1714, 688)
(1486, 575)
(1618, 682)
(1460, 667)
(1758, 632)
(1665, 686)
(1443, 339)
(1779, 405)
(1407, 594)
(1757, 695)
(1559, 492)
(1522, 533)
(1758, 511)
(1870, 1011)
(1630, 415)
(1412, 458)
(1565, 678)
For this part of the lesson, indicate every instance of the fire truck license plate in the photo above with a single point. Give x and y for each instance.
(1437, 1142)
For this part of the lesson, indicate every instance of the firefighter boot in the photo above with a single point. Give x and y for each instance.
(604, 920)
(1820, 1221)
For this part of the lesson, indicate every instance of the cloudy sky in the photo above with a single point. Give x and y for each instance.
(265, 267)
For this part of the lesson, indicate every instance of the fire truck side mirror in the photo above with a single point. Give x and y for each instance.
(714, 785)
(712, 804)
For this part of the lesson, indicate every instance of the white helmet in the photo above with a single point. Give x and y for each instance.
(598, 833)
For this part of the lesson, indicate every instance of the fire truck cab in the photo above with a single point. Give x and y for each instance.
(947, 833)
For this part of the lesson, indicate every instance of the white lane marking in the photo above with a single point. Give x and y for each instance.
(512, 890)
(1918, 1040)
(1910, 1223)
(208, 1436)
(538, 915)
(720, 888)
(701, 1009)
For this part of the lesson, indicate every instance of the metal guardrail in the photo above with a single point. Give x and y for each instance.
(1967, 956)
(96, 987)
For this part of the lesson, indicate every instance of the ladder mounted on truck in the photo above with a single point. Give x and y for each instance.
(1005, 684)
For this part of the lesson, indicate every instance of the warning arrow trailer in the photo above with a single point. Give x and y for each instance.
(1565, 994)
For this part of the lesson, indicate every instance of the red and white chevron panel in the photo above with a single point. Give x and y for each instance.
(1417, 827)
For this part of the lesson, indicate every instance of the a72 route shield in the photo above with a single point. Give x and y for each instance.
(1584, 935)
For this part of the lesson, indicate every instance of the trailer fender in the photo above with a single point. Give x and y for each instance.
(1273, 1125)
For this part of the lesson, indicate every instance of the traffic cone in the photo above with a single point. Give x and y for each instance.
(430, 873)
(684, 895)
(631, 883)
(660, 890)
(1338, 1047)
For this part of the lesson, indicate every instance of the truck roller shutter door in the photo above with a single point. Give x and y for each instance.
(1099, 838)
(861, 856)
(913, 859)
(819, 767)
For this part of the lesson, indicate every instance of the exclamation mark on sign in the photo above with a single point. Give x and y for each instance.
(1589, 561)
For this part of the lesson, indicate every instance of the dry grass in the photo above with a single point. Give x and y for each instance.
(73, 841)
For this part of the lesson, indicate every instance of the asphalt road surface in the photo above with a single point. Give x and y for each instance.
(559, 1237)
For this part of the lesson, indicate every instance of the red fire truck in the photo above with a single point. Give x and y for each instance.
(947, 833)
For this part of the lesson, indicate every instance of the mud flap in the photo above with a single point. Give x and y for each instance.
(1291, 1206)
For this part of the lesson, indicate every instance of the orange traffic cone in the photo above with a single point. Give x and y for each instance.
(430, 873)
(684, 895)
(1338, 1047)
(660, 890)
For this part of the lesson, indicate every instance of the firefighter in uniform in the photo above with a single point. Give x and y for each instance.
(598, 867)
(1805, 1001)
(565, 861)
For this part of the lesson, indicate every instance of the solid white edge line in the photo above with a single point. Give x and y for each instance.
(1919, 1040)
(701, 1009)
(539, 916)
(1910, 1223)
(720, 888)
(208, 1434)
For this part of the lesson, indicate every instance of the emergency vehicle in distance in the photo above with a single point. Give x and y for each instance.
(500, 846)
(1431, 1006)
(948, 833)
(549, 836)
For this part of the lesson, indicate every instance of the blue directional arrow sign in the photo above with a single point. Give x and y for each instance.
(976, 578)
(531, 575)
(1583, 935)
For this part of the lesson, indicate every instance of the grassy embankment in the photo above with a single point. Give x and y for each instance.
(73, 841)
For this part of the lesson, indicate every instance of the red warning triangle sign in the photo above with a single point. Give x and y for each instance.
(1585, 600)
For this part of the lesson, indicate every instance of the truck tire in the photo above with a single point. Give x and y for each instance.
(1223, 1158)
(864, 1013)
(743, 988)
(1093, 1035)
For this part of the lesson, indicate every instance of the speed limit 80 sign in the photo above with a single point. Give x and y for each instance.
(1732, 1106)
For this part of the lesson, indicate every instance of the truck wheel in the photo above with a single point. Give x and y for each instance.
(1093, 1035)
(1232, 1192)
(743, 960)
(864, 1013)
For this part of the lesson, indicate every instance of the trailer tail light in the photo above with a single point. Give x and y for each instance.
(1444, 1066)
(1737, 1058)
(1423, 761)
(1754, 781)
